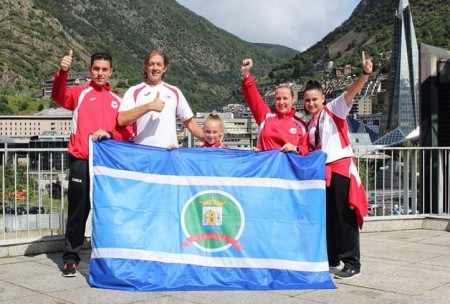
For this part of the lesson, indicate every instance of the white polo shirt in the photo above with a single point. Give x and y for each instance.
(157, 129)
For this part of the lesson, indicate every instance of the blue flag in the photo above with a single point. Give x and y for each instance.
(207, 219)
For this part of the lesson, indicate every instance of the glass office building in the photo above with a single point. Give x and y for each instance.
(401, 106)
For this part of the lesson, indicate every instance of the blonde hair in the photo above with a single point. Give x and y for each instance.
(287, 86)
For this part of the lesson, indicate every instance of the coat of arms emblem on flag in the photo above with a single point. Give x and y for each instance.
(213, 221)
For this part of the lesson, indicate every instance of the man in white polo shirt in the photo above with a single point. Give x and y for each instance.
(154, 105)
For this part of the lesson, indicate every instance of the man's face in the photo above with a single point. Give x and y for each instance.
(100, 72)
(155, 69)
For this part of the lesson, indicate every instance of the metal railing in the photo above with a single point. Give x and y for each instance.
(398, 181)
(33, 186)
(405, 180)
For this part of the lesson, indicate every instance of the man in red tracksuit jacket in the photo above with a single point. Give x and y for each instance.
(94, 109)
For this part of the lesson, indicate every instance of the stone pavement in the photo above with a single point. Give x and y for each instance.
(407, 266)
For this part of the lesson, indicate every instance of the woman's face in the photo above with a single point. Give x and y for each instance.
(283, 100)
(314, 101)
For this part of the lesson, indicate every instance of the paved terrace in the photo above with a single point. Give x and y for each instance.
(404, 261)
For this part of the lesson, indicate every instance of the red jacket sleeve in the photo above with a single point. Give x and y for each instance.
(61, 94)
(303, 145)
(122, 133)
(254, 100)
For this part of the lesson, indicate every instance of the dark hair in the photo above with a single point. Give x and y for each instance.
(160, 53)
(314, 85)
(101, 56)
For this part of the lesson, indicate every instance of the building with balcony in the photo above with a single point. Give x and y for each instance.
(22, 127)
(75, 78)
(343, 71)
(365, 105)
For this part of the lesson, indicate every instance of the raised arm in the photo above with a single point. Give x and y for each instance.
(60, 94)
(356, 86)
(251, 94)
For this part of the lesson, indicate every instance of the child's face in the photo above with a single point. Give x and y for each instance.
(213, 131)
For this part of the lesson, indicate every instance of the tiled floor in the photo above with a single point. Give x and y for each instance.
(409, 266)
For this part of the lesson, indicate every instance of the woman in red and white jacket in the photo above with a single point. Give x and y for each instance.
(346, 200)
(279, 128)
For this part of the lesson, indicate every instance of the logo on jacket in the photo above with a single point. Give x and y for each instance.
(114, 104)
(293, 131)
(212, 221)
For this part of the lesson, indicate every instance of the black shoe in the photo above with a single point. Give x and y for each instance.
(70, 269)
(334, 269)
(347, 273)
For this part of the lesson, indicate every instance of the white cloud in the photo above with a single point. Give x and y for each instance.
(297, 24)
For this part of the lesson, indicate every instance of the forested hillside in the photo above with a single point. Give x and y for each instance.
(205, 60)
(369, 28)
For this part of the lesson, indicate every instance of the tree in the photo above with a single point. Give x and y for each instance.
(53, 104)
(3, 99)
(15, 180)
(23, 105)
(5, 109)
(296, 72)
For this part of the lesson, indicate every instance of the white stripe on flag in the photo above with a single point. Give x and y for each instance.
(133, 254)
(211, 181)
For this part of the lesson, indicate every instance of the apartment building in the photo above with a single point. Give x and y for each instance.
(74, 78)
(22, 127)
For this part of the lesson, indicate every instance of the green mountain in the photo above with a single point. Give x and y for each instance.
(369, 28)
(205, 60)
(278, 51)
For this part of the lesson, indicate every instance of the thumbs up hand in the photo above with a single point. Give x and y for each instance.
(66, 62)
(157, 104)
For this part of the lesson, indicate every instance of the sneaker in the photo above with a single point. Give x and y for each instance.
(347, 273)
(70, 269)
(334, 269)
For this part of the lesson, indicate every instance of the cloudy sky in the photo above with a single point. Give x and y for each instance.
(297, 24)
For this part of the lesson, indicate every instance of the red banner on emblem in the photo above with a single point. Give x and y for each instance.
(212, 236)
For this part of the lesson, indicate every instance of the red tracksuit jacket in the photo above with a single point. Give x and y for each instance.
(93, 108)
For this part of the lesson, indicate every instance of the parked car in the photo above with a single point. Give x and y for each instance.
(7, 210)
(12, 210)
(36, 210)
